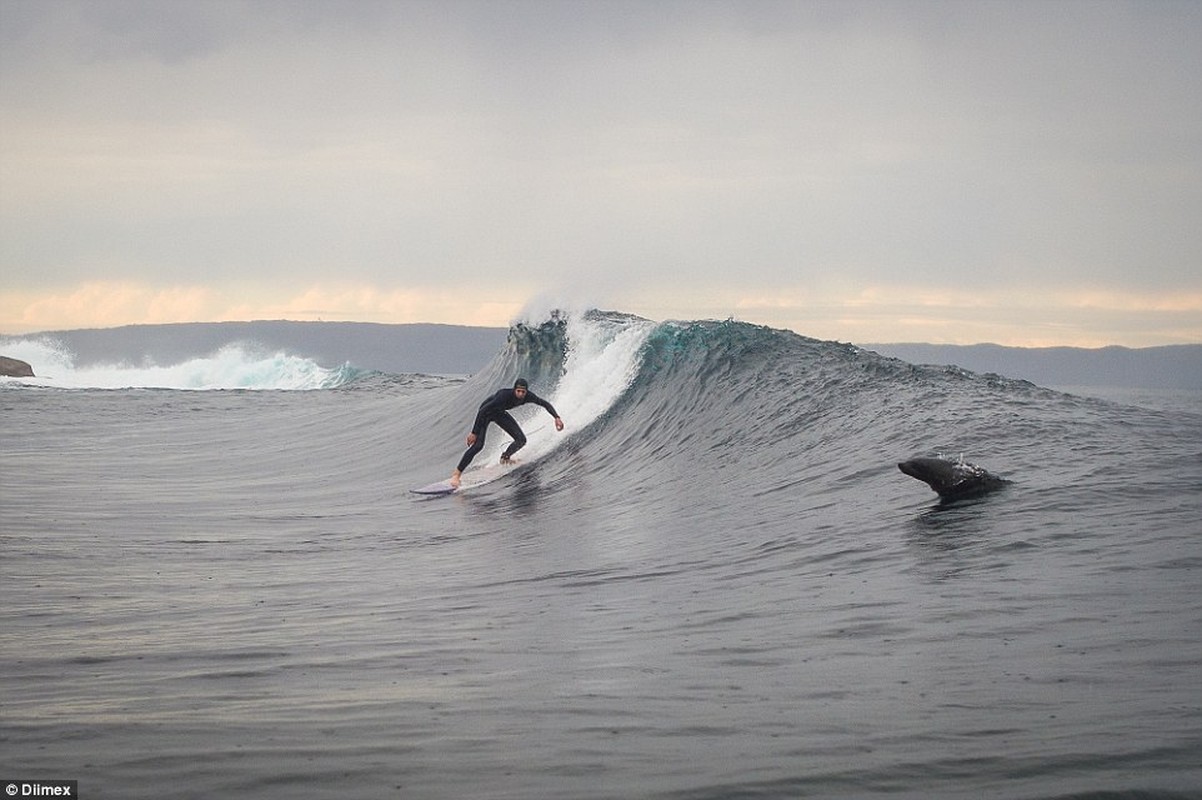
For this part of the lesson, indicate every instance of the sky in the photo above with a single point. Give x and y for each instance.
(1025, 173)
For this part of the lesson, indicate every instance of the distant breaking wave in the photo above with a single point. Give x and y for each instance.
(235, 366)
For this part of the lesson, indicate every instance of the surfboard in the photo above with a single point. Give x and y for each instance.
(442, 487)
(475, 476)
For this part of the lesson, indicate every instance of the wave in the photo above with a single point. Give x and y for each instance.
(235, 366)
(760, 410)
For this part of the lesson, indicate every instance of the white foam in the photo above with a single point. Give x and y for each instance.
(602, 360)
(232, 367)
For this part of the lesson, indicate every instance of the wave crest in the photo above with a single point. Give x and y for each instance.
(235, 366)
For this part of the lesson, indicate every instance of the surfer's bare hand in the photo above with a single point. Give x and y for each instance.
(471, 439)
(558, 424)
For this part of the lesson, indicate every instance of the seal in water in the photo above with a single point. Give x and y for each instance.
(953, 480)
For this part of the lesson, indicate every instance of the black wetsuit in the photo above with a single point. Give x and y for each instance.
(496, 409)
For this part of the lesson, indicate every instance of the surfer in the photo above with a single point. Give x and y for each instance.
(496, 409)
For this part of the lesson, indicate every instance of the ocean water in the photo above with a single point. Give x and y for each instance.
(715, 583)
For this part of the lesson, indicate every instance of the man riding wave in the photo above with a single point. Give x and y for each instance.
(496, 409)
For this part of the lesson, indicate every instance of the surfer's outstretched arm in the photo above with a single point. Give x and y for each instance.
(531, 397)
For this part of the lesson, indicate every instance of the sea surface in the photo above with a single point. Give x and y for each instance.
(714, 584)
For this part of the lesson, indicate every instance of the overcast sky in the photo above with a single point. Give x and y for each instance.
(1027, 173)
